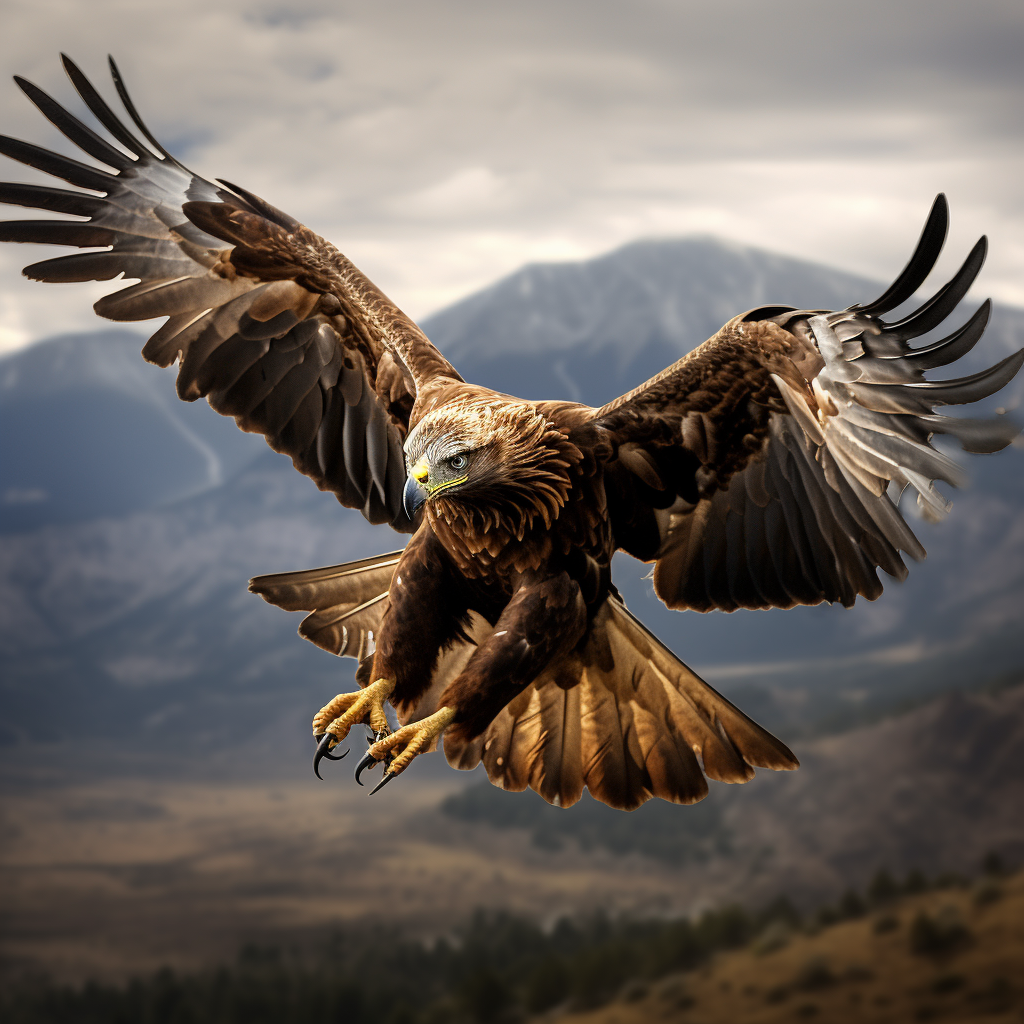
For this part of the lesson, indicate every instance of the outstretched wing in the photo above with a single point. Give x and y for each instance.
(759, 470)
(268, 321)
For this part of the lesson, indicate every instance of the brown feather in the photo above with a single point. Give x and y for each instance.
(347, 602)
(638, 718)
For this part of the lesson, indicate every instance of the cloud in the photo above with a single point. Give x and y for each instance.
(442, 145)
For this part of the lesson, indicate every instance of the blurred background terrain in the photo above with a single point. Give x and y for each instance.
(157, 803)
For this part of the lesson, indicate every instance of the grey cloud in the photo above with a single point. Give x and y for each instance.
(444, 144)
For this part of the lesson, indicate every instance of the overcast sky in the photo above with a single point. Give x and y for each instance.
(442, 145)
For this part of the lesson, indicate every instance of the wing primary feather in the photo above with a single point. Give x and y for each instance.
(103, 113)
(57, 232)
(950, 349)
(126, 100)
(51, 200)
(945, 300)
(63, 167)
(979, 436)
(920, 264)
(921, 397)
(54, 200)
(69, 125)
(104, 265)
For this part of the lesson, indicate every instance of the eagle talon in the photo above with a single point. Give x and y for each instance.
(368, 760)
(333, 721)
(323, 749)
(399, 748)
(388, 776)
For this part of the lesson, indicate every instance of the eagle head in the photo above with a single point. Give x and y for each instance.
(487, 462)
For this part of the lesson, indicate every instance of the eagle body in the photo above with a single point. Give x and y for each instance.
(761, 470)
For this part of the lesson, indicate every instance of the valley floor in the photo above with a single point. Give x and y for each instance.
(114, 878)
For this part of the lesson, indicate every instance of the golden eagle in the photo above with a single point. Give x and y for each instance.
(759, 471)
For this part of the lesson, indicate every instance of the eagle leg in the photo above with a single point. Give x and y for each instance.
(332, 722)
(405, 744)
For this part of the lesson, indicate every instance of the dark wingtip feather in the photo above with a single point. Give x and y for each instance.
(72, 128)
(946, 299)
(101, 110)
(974, 388)
(56, 232)
(956, 345)
(920, 264)
(43, 197)
(129, 106)
(63, 167)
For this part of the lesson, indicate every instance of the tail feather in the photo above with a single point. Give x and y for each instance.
(625, 718)
(347, 602)
(621, 716)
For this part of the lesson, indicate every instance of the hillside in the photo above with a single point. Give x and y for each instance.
(954, 954)
(946, 949)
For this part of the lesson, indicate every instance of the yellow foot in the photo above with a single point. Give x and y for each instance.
(398, 749)
(332, 722)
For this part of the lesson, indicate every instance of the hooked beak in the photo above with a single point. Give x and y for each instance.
(415, 492)
(413, 496)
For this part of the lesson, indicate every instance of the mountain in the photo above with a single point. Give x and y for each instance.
(602, 326)
(132, 521)
(90, 429)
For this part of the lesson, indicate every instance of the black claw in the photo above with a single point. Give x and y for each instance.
(368, 761)
(383, 782)
(323, 749)
(327, 753)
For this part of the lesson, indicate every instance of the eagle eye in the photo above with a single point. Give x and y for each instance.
(458, 462)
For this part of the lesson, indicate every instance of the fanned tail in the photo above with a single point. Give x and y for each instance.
(624, 717)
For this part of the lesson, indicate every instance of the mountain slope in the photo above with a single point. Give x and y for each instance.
(90, 429)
